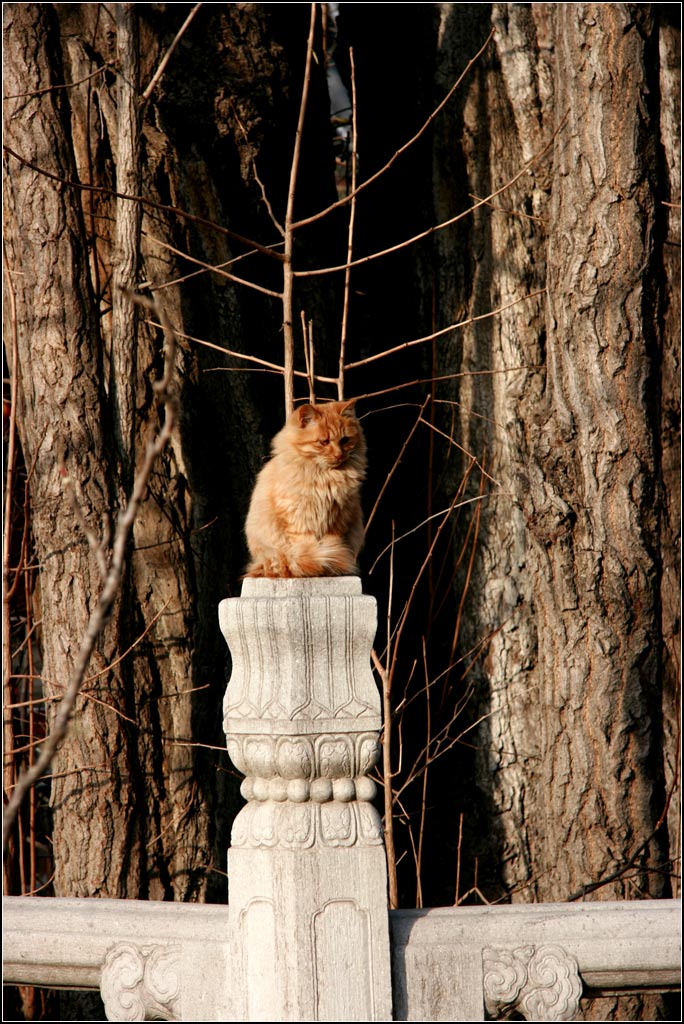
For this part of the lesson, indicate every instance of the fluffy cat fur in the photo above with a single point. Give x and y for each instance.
(305, 515)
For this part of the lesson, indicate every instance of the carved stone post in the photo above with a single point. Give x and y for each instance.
(307, 872)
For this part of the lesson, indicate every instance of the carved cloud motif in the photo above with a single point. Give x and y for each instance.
(141, 982)
(541, 983)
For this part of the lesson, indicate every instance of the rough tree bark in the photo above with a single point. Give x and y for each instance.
(139, 808)
(576, 773)
(576, 672)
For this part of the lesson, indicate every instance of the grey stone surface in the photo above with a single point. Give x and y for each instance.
(307, 870)
(142, 955)
(301, 657)
(441, 957)
(529, 957)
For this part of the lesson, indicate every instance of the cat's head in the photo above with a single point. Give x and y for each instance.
(329, 434)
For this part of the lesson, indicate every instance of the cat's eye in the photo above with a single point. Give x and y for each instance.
(345, 440)
(324, 441)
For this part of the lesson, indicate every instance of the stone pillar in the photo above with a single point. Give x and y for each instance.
(307, 872)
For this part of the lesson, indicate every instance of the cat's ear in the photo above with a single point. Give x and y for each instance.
(305, 414)
(347, 408)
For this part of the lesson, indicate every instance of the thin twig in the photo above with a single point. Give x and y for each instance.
(96, 545)
(444, 330)
(7, 591)
(10, 458)
(397, 462)
(154, 81)
(405, 611)
(384, 671)
(474, 525)
(390, 849)
(442, 742)
(502, 209)
(265, 250)
(161, 286)
(85, 694)
(271, 367)
(307, 333)
(458, 859)
(288, 270)
(435, 515)
(141, 636)
(39, 888)
(217, 268)
(60, 85)
(446, 223)
(423, 799)
(460, 447)
(619, 873)
(264, 195)
(444, 376)
(173, 823)
(402, 149)
(204, 746)
(350, 235)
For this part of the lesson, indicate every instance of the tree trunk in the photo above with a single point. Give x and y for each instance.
(63, 435)
(141, 795)
(577, 553)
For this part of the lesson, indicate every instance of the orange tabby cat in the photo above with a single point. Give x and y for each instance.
(305, 515)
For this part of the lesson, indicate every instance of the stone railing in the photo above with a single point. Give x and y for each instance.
(150, 961)
(307, 935)
(458, 963)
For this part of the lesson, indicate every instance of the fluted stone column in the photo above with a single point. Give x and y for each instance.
(307, 871)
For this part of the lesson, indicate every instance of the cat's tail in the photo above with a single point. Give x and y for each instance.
(326, 557)
(306, 557)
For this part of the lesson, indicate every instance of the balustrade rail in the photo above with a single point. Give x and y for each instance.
(307, 935)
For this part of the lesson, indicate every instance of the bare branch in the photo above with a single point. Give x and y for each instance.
(435, 515)
(156, 77)
(458, 860)
(423, 801)
(387, 783)
(619, 873)
(157, 286)
(288, 275)
(502, 209)
(271, 367)
(444, 330)
(309, 355)
(97, 546)
(9, 465)
(217, 268)
(402, 149)
(461, 449)
(392, 471)
(60, 85)
(444, 224)
(8, 770)
(264, 196)
(443, 376)
(350, 234)
(152, 204)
